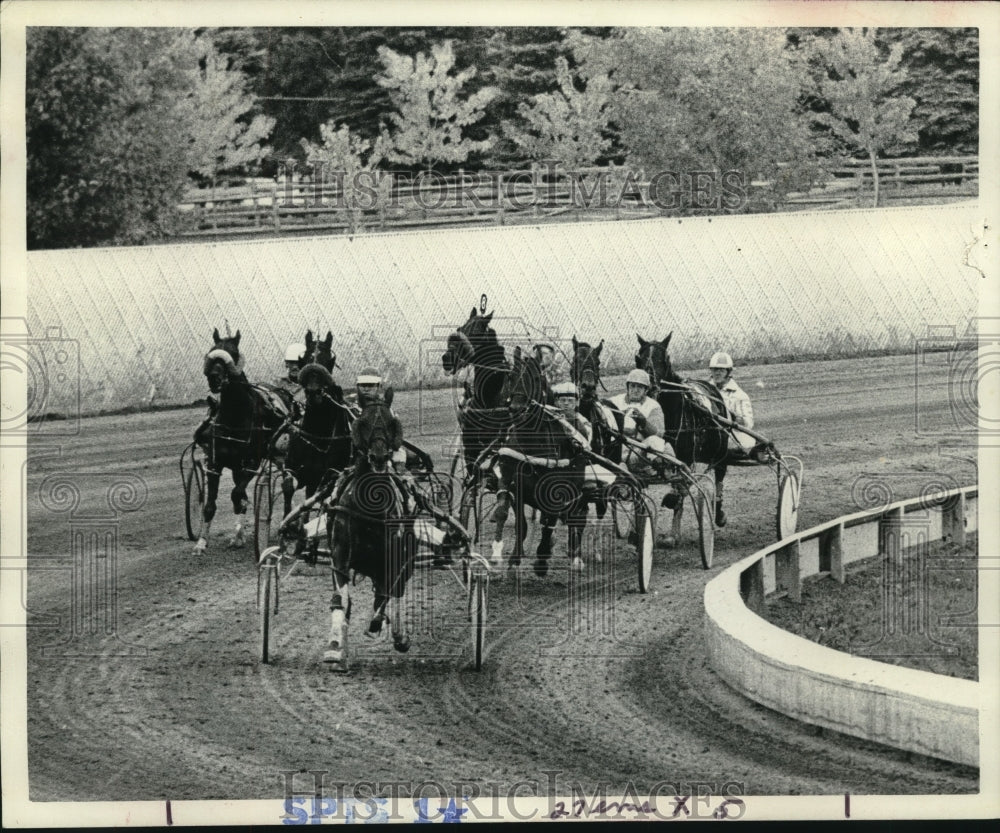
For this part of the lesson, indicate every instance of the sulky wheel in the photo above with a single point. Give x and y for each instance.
(644, 544)
(478, 592)
(704, 508)
(194, 498)
(264, 496)
(267, 601)
(622, 505)
(456, 471)
(476, 515)
(787, 516)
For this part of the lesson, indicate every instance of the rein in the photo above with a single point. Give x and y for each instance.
(313, 440)
(576, 375)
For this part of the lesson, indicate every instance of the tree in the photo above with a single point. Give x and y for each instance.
(431, 115)
(724, 102)
(942, 67)
(859, 86)
(107, 162)
(351, 163)
(567, 125)
(223, 138)
(519, 62)
(114, 125)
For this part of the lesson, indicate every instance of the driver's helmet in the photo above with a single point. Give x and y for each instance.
(295, 352)
(564, 389)
(638, 377)
(721, 361)
(369, 385)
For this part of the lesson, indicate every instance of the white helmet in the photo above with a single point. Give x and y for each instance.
(637, 377)
(721, 360)
(369, 376)
(564, 389)
(294, 352)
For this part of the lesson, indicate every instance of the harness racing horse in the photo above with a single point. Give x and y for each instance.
(605, 420)
(238, 436)
(585, 372)
(539, 467)
(483, 417)
(694, 435)
(370, 532)
(320, 443)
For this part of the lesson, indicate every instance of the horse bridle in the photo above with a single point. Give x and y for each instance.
(577, 375)
(654, 382)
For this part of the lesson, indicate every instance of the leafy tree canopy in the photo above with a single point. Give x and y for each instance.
(116, 119)
(432, 110)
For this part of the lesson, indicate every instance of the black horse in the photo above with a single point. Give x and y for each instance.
(239, 433)
(585, 371)
(370, 532)
(695, 436)
(539, 467)
(319, 447)
(483, 417)
(604, 418)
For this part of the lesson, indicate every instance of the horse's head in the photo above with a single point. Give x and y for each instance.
(467, 340)
(231, 344)
(317, 383)
(223, 362)
(586, 368)
(320, 352)
(523, 384)
(655, 360)
(376, 434)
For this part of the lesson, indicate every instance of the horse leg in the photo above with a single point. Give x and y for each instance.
(240, 502)
(676, 495)
(675, 526)
(398, 576)
(575, 524)
(500, 517)
(288, 491)
(720, 476)
(520, 528)
(212, 494)
(548, 522)
(340, 602)
(400, 640)
(544, 550)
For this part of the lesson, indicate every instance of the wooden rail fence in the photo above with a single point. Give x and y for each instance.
(296, 203)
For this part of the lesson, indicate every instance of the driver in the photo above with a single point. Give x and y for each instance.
(643, 421)
(720, 366)
(552, 370)
(567, 400)
(289, 383)
(294, 354)
(735, 398)
(368, 389)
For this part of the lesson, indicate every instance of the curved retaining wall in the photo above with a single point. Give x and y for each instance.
(761, 286)
(913, 710)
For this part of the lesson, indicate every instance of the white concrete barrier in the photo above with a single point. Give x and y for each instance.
(909, 709)
(761, 286)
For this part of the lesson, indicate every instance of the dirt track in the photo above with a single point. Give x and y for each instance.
(589, 679)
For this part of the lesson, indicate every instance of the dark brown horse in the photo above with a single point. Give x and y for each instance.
(695, 436)
(371, 533)
(244, 420)
(320, 444)
(539, 467)
(482, 417)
